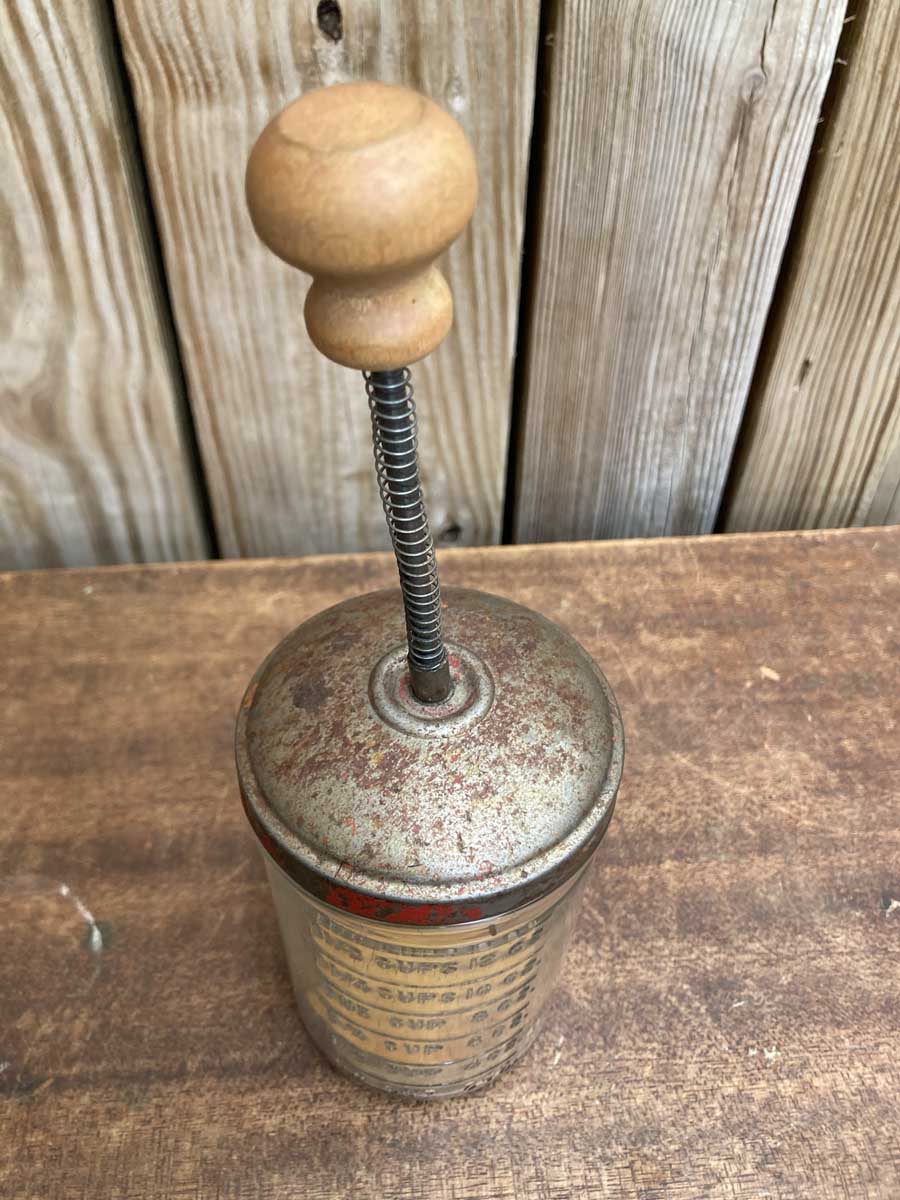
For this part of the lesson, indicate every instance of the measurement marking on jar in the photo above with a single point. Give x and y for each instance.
(532, 960)
(503, 998)
(411, 1044)
(534, 929)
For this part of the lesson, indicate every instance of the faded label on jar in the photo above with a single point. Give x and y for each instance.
(423, 1008)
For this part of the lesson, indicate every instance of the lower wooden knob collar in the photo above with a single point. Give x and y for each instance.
(378, 327)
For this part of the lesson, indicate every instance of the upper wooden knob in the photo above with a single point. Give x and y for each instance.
(363, 185)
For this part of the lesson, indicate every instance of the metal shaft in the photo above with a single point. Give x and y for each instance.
(396, 462)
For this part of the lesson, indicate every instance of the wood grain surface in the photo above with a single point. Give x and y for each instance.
(94, 466)
(727, 1020)
(677, 139)
(822, 445)
(284, 434)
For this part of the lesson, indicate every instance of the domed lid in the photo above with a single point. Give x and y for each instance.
(432, 814)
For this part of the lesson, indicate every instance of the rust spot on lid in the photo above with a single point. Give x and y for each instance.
(310, 693)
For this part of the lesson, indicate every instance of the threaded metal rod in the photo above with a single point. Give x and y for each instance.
(396, 463)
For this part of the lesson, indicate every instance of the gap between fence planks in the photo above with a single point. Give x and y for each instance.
(94, 465)
(677, 139)
(285, 435)
(822, 445)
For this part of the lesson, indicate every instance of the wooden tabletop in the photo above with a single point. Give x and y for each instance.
(728, 1020)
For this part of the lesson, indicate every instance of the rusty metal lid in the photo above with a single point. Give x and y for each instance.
(432, 814)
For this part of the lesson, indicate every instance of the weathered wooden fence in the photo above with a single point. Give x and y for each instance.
(678, 306)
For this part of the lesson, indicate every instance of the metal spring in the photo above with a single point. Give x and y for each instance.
(395, 439)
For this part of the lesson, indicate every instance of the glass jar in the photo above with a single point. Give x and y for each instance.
(426, 860)
(423, 1011)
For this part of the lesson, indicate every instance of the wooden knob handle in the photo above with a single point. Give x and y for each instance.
(363, 185)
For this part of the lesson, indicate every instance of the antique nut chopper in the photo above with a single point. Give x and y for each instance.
(428, 784)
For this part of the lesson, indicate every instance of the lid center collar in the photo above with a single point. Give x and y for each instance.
(470, 698)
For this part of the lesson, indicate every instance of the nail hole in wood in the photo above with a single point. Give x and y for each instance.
(330, 19)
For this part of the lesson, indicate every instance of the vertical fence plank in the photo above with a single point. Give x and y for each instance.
(677, 138)
(284, 435)
(94, 466)
(822, 444)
